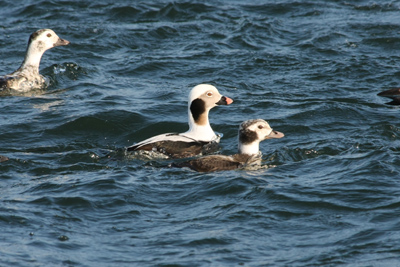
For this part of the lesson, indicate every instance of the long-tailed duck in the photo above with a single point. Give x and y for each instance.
(200, 138)
(394, 94)
(27, 77)
(251, 133)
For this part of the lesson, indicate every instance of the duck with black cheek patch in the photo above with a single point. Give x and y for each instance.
(251, 133)
(27, 77)
(200, 138)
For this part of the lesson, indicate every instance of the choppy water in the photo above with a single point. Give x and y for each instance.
(70, 197)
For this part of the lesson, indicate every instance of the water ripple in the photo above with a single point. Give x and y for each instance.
(328, 194)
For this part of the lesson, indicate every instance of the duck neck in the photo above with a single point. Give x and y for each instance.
(249, 149)
(32, 60)
(200, 129)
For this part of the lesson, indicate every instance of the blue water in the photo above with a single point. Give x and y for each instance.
(330, 197)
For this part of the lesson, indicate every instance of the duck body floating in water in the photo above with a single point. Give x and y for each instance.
(251, 133)
(27, 77)
(200, 138)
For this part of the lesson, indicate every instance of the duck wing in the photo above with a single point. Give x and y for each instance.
(175, 146)
(211, 163)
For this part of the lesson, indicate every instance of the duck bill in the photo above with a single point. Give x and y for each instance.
(61, 42)
(274, 134)
(225, 101)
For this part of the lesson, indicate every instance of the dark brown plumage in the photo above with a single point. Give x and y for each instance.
(179, 149)
(394, 94)
(251, 133)
(218, 162)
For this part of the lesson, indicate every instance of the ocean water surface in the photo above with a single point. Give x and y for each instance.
(328, 193)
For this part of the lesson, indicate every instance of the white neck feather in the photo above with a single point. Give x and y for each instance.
(249, 149)
(200, 132)
(32, 59)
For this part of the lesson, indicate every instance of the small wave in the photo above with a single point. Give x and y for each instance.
(59, 72)
(374, 6)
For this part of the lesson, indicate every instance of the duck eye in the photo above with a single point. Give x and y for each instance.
(260, 126)
(49, 35)
(209, 94)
